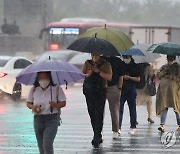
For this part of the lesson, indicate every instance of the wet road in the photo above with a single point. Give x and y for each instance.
(75, 134)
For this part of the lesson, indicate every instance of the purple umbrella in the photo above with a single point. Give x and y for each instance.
(61, 72)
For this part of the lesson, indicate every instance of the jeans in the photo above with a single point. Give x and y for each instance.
(130, 97)
(45, 127)
(164, 115)
(95, 105)
(113, 97)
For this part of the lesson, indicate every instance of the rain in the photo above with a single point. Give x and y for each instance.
(60, 37)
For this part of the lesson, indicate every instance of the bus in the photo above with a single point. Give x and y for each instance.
(59, 35)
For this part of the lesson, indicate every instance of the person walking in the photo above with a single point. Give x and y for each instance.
(168, 94)
(131, 77)
(114, 92)
(45, 99)
(143, 98)
(97, 72)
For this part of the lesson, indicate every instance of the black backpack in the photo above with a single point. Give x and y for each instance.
(143, 78)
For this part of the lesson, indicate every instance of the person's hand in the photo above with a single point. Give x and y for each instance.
(95, 69)
(89, 73)
(36, 109)
(126, 77)
(53, 104)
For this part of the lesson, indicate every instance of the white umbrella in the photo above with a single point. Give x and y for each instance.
(149, 57)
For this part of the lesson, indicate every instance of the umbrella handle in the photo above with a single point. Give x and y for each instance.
(51, 108)
(66, 83)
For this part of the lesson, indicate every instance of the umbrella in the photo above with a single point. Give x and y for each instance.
(94, 45)
(61, 72)
(166, 48)
(148, 58)
(132, 52)
(119, 39)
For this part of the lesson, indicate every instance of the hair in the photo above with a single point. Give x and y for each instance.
(36, 83)
(172, 58)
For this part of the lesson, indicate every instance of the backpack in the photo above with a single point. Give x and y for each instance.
(143, 78)
(59, 111)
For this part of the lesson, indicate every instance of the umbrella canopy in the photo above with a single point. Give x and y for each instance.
(148, 58)
(132, 52)
(62, 72)
(166, 48)
(94, 45)
(119, 39)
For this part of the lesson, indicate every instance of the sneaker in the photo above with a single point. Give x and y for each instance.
(100, 142)
(115, 135)
(119, 132)
(96, 145)
(132, 131)
(150, 120)
(161, 128)
(178, 129)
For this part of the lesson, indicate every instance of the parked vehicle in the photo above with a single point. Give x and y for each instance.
(10, 67)
(63, 55)
(80, 59)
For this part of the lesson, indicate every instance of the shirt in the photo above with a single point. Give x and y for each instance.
(40, 97)
(132, 70)
(117, 69)
(105, 68)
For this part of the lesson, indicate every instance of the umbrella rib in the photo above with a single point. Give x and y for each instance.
(29, 78)
(71, 77)
(121, 38)
(58, 79)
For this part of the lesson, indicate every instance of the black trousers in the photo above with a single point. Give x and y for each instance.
(96, 105)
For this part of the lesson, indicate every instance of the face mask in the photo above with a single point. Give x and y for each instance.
(44, 83)
(127, 61)
(170, 62)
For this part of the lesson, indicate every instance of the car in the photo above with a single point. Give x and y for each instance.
(80, 59)
(10, 67)
(63, 55)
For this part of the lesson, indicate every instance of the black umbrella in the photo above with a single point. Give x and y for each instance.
(94, 45)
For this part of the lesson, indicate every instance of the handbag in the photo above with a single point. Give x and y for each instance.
(150, 86)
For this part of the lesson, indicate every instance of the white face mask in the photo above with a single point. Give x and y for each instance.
(127, 61)
(44, 83)
(170, 62)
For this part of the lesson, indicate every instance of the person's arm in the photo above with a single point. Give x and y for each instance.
(58, 105)
(120, 82)
(32, 107)
(106, 76)
(136, 79)
(162, 73)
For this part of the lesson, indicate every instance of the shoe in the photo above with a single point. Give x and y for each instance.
(150, 120)
(119, 132)
(178, 129)
(132, 131)
(100, 142)
(115, 135)
(161, 128)
(137, 123)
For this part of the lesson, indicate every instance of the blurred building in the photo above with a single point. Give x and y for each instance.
(30, 15)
